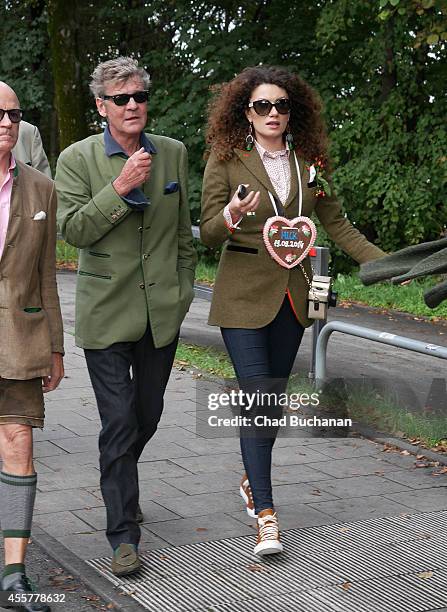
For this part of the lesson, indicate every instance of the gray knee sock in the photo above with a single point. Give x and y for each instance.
(17, 494)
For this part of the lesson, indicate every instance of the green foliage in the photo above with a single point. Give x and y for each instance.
(377, 66)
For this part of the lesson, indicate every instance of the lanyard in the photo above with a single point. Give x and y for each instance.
(300, 193)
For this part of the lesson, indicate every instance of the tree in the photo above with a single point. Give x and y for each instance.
(64, 28)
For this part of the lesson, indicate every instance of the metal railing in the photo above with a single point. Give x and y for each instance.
(369, 334)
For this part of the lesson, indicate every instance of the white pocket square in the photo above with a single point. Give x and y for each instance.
(40, 216)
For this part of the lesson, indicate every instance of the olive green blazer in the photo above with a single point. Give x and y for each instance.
(134, 266)
(250, 286)
(29, 148)
(30, 316)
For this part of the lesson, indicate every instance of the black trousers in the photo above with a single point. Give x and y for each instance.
(263, 359)
(130, 407)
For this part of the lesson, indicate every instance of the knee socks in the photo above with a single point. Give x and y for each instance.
(17, 494)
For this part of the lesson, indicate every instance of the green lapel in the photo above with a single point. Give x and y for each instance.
(151, 188)
(254, 165)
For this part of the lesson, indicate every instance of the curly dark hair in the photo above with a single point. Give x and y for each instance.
(228, 125)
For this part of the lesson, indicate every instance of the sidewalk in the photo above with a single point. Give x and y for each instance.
(189, 485)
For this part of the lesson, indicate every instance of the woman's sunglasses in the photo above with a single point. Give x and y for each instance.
(14, 114)
(263, 107)
(123, 99)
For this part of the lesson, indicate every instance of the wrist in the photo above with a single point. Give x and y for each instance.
(119, 188)
(235, 216)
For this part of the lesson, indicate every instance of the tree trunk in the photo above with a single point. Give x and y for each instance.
(389, 74)
(63, 27)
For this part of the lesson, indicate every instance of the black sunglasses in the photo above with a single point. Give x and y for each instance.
(123, 99)
(14, 114)
(263, 107)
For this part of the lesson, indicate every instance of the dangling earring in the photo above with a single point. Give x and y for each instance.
(249, 140)
(289, 139)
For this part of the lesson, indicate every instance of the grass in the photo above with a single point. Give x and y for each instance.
(206, 272)
(364, 405)
(408, 298)
(66, 255)
(207, 359)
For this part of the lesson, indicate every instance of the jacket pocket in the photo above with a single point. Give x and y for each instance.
(242, 249)
(84, 273)
(96, 254)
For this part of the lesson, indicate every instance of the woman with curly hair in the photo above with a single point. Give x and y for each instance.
(266, 133)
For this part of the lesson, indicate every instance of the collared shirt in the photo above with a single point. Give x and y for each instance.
(135, 198)
(5, 202)
(277, 166)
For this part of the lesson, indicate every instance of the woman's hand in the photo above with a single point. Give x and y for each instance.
(239, 208)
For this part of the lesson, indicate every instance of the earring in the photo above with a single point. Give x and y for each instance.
(249, 140)
(289, 139)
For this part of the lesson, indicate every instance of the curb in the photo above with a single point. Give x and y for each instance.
(85, 573)
(414, 449)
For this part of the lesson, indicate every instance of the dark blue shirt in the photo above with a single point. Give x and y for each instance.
(135, 198)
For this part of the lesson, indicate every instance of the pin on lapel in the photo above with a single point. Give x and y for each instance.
(40, 216)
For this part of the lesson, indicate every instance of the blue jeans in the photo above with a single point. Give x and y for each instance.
(263, 359)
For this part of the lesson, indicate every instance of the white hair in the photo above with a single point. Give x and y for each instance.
(119, 69)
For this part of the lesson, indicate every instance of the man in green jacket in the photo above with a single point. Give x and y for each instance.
(123, 203)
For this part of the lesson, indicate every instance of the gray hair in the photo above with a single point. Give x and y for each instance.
(119, 69)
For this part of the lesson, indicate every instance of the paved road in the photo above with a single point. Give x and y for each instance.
(347, 356)
(189, 484)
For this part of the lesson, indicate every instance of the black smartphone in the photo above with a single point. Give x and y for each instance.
(242, 192)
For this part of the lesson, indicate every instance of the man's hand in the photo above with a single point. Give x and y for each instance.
(135, 172)
(49, 383)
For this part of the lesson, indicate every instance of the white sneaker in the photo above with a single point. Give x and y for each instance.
(268, 542)
(247, 496)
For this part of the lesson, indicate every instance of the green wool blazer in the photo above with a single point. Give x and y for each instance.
(134, 266)
(250, 286)
(30, 315)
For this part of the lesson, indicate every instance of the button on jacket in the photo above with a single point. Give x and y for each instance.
(250, 286)
(119, 290)
(30, 317)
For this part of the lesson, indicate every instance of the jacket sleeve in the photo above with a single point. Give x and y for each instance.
(84, 218)
(47, 273)
(216, 193)
(187, 257)
(39, 159)
(343, 233)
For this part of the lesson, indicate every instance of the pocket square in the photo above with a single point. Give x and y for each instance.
(40, 216)
(171, 187)
(312, 174)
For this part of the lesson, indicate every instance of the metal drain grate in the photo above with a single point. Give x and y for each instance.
(393, 564)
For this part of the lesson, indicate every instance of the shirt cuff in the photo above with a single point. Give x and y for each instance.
(229, 221)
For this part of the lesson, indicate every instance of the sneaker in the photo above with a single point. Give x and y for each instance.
(268, 542)
(247, 496)
(125, 560)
